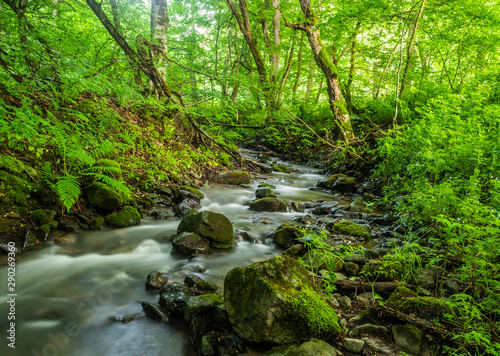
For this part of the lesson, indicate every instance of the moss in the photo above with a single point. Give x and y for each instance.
(5, 225)
(268, 204)
(383, 270)
(263, 185)
(113, 167)
(327, 62)
(424, 307)
(313, 19)
(341, 105)
(126, 217)
(281, 168)
(14, 166)
(410, 330)
(40, 217)
(103, 196)
(97, 223)
(286, 235)
(214, 227)
(193, 190)
(235, 177)
(347, 227)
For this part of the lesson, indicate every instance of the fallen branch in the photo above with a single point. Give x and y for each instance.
(381, 287)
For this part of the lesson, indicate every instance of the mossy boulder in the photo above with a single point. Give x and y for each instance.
(214, 227)
(318, 259)
(406, 301)
(263, 185)
(128, 216)
(385, 270)
(234, 178)
(288, 235)
(104, 197)
(43, 219)
(339, 182)
(5, 225)
(264, 192)
(275, 301)
(407, 337)
(350, 228)
(17, 182)
(312, 347)
(268, 204)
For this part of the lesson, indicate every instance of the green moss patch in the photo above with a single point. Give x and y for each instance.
(193, 190)
(347, 227)
(126, 217)
(268, 204)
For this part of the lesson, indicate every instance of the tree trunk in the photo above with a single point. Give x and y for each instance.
(320, 88)
(310, 79)
(409, 49)
(329, 70)
(348, 96)
(299, 66)
(277, 40)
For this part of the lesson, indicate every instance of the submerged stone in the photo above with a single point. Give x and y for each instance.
(275, 301)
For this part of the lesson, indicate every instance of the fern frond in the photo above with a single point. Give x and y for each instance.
(68, 189)
(113, 183)
(48, 176)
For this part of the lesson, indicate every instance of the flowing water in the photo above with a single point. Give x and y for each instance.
(70, 297)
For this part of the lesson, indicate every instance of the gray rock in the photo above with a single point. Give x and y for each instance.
(379, 347)
(369, 330)
(191, 279)
(426, 278)
(353, 345)
(345, 302)
(351, 268)
(408, 337)
(340, 276)
(185, 207)
(356, 258)
(313, 347)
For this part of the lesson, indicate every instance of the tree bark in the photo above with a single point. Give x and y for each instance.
(409, 49)
(328, 68)
(299, 66)
(348, 96)
(275, 58)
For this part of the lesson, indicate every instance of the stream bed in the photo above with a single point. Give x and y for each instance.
(82, 299)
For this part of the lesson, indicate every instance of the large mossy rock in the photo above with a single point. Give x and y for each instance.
(128, 216)
(288, 235)
(275, 301)
(350, 228)
(313, 347)
(104, 197)
(268, 204)
(18, 181)
(339, 182)
(234, 178)
(214, 227)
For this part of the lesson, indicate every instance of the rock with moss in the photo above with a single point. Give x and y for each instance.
(339, 182)
(312, 347)
(407, 337)
(214, 227)
(268, 204)
(102, 196)
(128, 216)
(406, 301)
(385, 270)
(287, 235)
(234, 178)
(193, 191)
(275, 301)
(281, 168)
(318, 259)
(189, 244)
(263, 185)
(18, 181)
(350, 228)
(44, 219)
(264, 192)
(97, 223)
(5, 225)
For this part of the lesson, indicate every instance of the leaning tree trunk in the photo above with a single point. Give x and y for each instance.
(328, 68)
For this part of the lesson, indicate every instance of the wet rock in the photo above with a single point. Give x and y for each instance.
(452, 286)
(173, 297)
(369, 330)
(187, 192)
(70, 225)
(155, 280)
(407, 337)
(189, 244)
(339, 182)
(268, 204)
(287, 235)
(340, 276)
(349, 228)
(32, 235)
(191, 279)
(312, 347)
(325, 208)
(345, 302)
(281, 168)
(274, 301)
(234, 177)
(297, 206)
(186, 207)
(128, 216)
(125, 319)
(296, 251)
(352, 345)
(159, 214)
(214, 227)
(385, 220)
(104, 197)
(155, 311)
(351, 268)
(244, 235)
(264, 192)
(97, 223)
